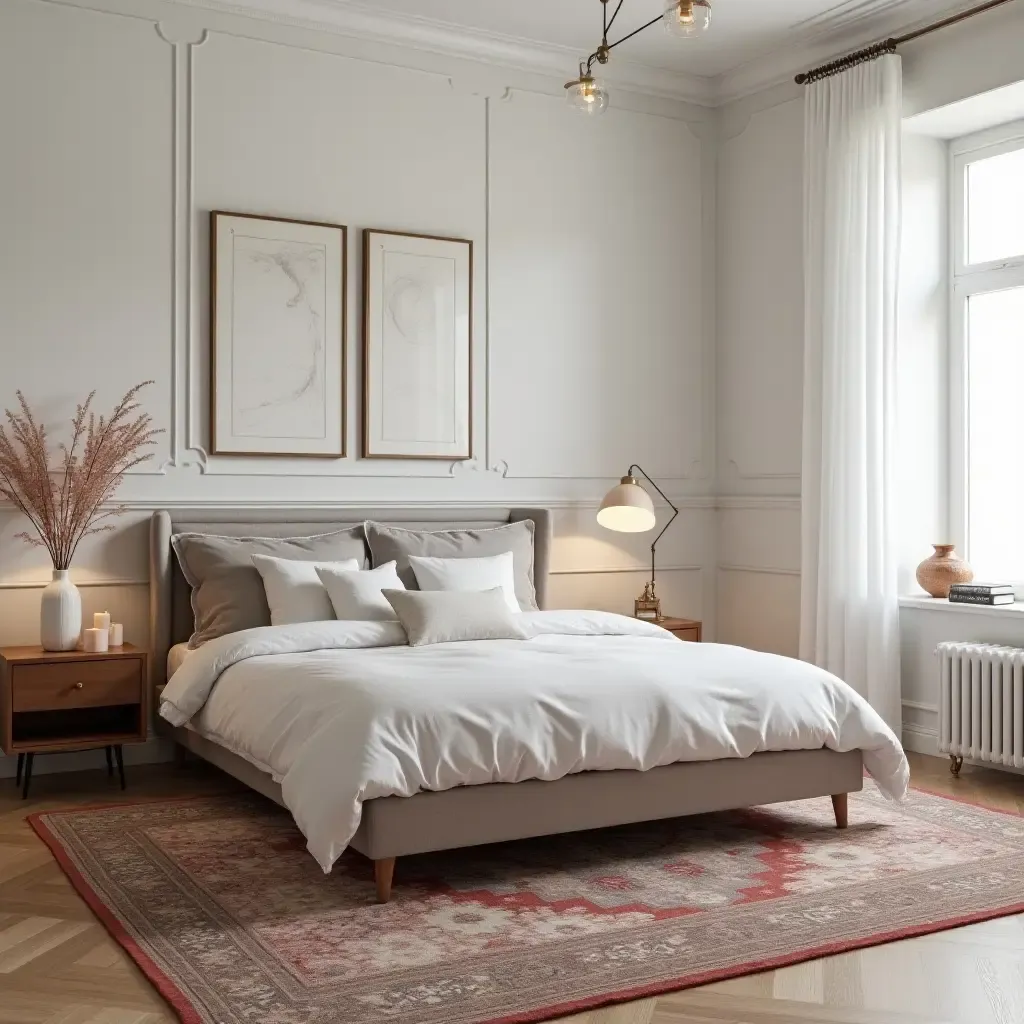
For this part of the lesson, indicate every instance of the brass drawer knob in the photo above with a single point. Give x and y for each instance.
(79, 685)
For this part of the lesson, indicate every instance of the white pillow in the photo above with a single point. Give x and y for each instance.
(357, 596)
(441, 617)
(294, 591)
(473, 574)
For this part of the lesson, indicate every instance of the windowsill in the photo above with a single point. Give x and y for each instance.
(940, 604)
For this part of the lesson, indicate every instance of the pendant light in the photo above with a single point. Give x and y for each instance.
(686, 19)
(683, 19)
(586, 95)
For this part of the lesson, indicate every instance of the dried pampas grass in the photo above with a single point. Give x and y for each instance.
(66, 503)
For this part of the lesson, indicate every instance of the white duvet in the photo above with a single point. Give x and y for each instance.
(343, 712)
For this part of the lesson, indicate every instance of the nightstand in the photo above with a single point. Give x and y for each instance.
(685, 629)
(53, 701)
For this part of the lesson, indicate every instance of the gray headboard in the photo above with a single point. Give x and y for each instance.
(170, 609)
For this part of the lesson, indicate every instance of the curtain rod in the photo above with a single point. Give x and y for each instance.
(876, 50)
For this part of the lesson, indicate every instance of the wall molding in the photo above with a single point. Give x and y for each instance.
(734, 470)
(186, 451)
(609, 570)
(140, 581)
(849, 25)
(362, 22)
(920, 740)
(113, 581)
(763, 570)
(759, 502)
(187, 448)
(689, 502)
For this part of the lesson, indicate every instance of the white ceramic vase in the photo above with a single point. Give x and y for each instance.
(60, 614)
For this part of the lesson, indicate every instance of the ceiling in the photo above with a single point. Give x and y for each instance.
(752, 43)
(742, 29)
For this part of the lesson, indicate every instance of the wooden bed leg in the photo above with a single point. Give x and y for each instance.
(383, 872)
(841, 805)
(180, 755)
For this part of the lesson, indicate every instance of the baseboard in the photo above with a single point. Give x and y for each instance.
(155, 750)
(921, 740)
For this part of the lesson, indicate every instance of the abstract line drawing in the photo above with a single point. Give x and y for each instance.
(278, 336)
(417, 346)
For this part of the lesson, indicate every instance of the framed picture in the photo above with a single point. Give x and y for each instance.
(277, 333)
(417, 346)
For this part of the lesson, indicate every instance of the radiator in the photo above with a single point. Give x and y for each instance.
(981, 703)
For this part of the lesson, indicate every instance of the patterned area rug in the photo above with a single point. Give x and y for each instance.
(219, 903)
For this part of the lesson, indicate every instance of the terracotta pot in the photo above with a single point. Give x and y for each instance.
(939, 572)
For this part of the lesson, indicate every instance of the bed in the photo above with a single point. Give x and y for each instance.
(463, 815)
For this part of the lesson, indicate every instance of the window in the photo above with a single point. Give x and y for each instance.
(987, 351)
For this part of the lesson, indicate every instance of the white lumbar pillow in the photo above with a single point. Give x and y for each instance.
(468, 574)
(294, 591)
(357, 596)
(441, 617)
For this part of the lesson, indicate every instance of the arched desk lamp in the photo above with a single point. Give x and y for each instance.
(627, 508)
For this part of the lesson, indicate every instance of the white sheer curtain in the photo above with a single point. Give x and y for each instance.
(849, 621)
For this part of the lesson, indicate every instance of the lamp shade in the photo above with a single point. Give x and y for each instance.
(627, 508)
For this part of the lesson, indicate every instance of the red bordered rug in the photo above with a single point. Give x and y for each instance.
(221, 906)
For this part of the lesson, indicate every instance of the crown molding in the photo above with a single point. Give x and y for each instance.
(852, 26)
(357, 21)
(849, 26)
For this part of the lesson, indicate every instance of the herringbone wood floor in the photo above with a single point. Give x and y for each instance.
(58, 965)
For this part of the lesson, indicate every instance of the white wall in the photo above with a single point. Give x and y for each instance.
(126, 121)
(760, 342)
(760, 369)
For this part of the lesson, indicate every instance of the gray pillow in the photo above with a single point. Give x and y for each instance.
(447, 616)
(227, 589)
(394, 544)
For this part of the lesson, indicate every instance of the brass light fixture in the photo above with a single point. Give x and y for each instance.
(684, 19)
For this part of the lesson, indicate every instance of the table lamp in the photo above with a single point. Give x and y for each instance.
(627, 508)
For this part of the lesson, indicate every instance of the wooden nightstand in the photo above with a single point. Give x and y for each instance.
(685, 629)
(52, 701)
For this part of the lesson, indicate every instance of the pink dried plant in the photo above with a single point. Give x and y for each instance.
(65, 504)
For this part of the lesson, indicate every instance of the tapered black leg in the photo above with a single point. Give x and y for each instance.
(110, 762)
(119, 755)
(21, 767)
(28, 776)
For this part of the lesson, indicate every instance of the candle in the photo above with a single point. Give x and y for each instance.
(116, 636)
(101, 620)
(94, 641)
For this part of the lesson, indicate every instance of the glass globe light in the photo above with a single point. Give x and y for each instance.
(586, 95)
(687, 18)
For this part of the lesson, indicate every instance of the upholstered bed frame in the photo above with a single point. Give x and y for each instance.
(473, 815)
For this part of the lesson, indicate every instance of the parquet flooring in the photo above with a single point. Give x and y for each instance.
(59, 966)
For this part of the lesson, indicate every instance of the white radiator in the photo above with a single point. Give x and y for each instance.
(981, 703)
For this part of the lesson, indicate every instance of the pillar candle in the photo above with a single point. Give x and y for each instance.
(94, 641)
(116, 634)
(101, 620)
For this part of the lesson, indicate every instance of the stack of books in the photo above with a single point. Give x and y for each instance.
(981, 593)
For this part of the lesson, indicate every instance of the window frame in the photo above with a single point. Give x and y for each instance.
(966, 280)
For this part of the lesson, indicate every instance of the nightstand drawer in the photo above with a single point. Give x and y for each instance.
(76, 684)
(692, 634)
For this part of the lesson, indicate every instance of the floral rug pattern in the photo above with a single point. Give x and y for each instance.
(223, 908)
